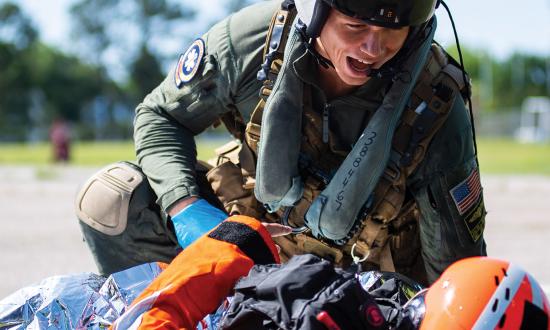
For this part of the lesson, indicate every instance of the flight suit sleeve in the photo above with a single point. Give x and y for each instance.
(201, 276)
(168, 119)
(449, 195)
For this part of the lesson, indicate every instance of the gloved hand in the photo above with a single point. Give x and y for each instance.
(195, 220)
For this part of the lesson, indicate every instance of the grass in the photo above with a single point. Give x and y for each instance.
(84, 153)
(496, 156)
(504, 156)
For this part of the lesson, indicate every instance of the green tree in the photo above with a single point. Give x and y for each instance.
(66, 82)
(518, 77)
(125, 34)
(504, 84)
(17, 34)
(39, 83)
(15, 27)
(145, 74)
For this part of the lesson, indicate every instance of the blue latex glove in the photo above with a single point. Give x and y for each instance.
(195, 220)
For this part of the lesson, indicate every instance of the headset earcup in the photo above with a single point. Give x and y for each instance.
(320, 14)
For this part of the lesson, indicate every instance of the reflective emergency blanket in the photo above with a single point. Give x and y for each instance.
(90, 301)
(75, 301)
(80, 301)
(392, 291)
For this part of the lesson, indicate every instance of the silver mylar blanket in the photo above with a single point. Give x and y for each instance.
(80, 301)
(90, 301)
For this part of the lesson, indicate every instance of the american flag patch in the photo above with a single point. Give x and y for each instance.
(466, 193)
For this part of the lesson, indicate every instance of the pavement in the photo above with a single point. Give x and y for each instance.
(40, 236)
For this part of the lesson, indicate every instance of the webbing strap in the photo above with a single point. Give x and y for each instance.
(274, 48)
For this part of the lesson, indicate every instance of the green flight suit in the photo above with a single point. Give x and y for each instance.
(169, 118)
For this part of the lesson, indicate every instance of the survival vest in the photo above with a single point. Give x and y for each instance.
(388, 237)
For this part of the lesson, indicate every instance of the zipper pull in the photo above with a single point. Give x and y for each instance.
(325, 123)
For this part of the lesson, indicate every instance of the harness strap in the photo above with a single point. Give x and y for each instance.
(432, 101)
(274, 48)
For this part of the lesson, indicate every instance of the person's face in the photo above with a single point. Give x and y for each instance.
(354, 46)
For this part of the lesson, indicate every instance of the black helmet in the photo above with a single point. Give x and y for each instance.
(386, 13)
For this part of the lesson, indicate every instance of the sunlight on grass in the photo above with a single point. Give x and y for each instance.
(496, 156)
(85, 153)
(502, 156)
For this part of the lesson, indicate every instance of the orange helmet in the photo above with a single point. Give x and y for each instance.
(483, 293)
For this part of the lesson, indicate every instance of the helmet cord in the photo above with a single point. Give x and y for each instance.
(463, 75)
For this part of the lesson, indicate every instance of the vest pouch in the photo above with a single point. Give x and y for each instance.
(233, 189)
(405, 243)
(291, 245)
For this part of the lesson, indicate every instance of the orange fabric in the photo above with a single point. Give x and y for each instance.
(162, 265)
(195, 283)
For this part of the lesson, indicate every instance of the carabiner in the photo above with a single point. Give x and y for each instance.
(356, 259)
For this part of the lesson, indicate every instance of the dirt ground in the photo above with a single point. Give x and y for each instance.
(40, 237)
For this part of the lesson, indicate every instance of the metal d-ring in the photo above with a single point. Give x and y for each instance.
(284, 221)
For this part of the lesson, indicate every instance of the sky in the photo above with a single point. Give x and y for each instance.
(499, 26)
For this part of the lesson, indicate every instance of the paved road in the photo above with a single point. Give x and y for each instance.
(39, 236)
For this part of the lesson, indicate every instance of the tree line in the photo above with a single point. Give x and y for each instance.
(121, 50)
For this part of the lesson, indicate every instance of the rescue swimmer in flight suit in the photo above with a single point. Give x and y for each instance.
(350, 126)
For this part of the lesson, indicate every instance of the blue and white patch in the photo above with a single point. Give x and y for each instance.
(189, 63)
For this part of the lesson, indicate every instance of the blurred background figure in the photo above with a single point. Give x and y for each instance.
(60, 138)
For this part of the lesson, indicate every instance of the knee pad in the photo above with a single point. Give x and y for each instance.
(103, 201)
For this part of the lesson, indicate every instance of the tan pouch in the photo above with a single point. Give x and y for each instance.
(232, 188)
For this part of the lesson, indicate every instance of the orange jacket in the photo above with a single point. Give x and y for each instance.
(201, 276)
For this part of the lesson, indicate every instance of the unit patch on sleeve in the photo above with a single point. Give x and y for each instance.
(189, 63)
(467, 193)
(475, 221)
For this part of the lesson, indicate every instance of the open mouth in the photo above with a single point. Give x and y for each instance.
(359, 65)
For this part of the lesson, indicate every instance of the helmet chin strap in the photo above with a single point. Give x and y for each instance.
(321, 60)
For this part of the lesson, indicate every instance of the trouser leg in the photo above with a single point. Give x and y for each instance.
(121, 222)
(144, 240)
